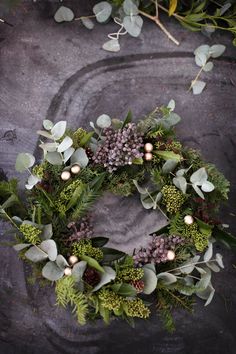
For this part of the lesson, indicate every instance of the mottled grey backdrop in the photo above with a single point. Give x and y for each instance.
(61, 72)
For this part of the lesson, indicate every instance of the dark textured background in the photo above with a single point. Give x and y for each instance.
(61, 72)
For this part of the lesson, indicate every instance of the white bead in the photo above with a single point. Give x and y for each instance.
(65, 175)
(170, 255)
(148, 156)
(73, 260)
(188, 219)
(148, 147)
(75, 169)
(67, 271)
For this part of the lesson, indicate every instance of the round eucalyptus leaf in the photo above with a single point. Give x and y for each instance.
(106, 277)
(54, 158)
(199, 177)
(200, 59)
(167, 278)
(32, 181)
(198, 86)
(219, 260)
(103, 121)
(21, 246)
(35, 254)
(87, 23)
(65, 144)
(59, 130)
(198, 191)
(68, 153)
(50, 147)
(102, 11)
(208, 66)
(49, 247)
(130, 8)
(181, 183)
(61, 262)
(202, 49)
(24, 161)
(80, 157)
(48, 124)
(150, 280)
(52, 272)
(78, 270)
(209, 253)
(217, 50)
(133, 25)
(207, 187)
(64, 14)
(112, 45)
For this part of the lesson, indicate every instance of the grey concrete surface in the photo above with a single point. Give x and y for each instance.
(61, 72)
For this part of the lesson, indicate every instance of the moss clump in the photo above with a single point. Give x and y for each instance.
(30, 233)
(172, 198)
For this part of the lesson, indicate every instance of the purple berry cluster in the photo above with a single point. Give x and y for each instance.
(81, 230)
(120, 147)
(157, 250)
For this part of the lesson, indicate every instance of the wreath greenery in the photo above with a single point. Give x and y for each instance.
(53, 232)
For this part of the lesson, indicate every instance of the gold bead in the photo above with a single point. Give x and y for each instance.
(65, 175)
(170, 255)
(73, 260)
(148, 156)
(148, 147)
(75, 169)
(67, 271)
(188, 219)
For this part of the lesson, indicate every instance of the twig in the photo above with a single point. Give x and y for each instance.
(5, 22)
(196, 78)
(159, 24)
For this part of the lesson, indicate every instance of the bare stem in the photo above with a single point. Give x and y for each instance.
(83, 17)
(196, 78)
(159, 24)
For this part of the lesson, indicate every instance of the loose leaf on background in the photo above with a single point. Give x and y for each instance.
(133, 25)
(208, 66)
(103, 121)
(203, 49)
(112, 45)
(198, 86)
(24, 161)
(64, 14)
(102, 11)
(217, 50)
(87, 23)
(200, 59)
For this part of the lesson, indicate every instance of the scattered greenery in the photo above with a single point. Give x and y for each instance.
(77, 167)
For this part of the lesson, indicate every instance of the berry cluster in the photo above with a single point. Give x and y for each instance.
(120, 147)
(157, 250)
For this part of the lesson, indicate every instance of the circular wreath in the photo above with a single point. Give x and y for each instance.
(53, 230)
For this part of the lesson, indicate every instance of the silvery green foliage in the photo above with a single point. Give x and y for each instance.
(106, 277)
(149, 278)
(24, 162)
(198, 180)
(64, 14)
(102, 11)
(148, 199)
(202, 56)
(202, 270)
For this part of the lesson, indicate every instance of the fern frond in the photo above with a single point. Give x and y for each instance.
(85, 202)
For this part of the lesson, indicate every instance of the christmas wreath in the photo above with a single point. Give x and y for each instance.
(54, 234)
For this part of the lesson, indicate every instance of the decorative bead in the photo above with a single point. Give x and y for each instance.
(75, 169)
(148, 147)
(73, 260)
(188, 219)
(170, 255)
(67, 271)
(148, 156)
(65, 175)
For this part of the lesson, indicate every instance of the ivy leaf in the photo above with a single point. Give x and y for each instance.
(102, 11)
(181, 183)
(65, 144)
(52, 272)
(64, 14)
(112, 45)
(133, 25)
(217, 50)
(80, 157)
(198, 86)
(172, 6)
(106, 277)
(24, 161)
(103, 121)
(87, 23)
(130, 8)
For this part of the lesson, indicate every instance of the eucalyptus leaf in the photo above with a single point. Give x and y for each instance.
(150, 280)
(202, 49)
(198, 191)
(35, 254)
(48, 124)
(133, 25)
(169, 166)
(52, 272)
(54, 158)
(219, 260)
(46, 232)
(199, 177)
(64, 14)
(208, 66)
(207, 187)
(200, 59)
(68, 153)
(78, 270)
(49, 247)
(168, 155)
(141, 190)
(181, 183)
(61, 262)
(87, 23)
(209, 252)
(80, 157)
(102, 11)
(51, 147)
(147, 202)
(58, 130)
(32, 181)
(112, 45)
(103, 121)
(198, 86)
(124, 289)
(167, 278)
(171, 119)
(21, 246)
(65, 144)
(171, 105)
(24, 161)
(130, 8)
(213, 267)
(217, 50)
(106, 277)
(188, 266)
(45, 134)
